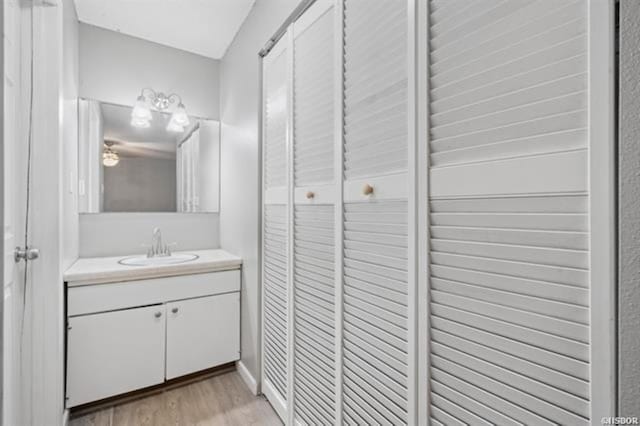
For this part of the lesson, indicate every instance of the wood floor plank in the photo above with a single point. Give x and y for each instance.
(222, 400)
(99, 418)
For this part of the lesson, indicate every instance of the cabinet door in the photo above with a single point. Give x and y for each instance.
(202, 333)
(113, 353)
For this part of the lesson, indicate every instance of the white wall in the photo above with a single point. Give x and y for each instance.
(114, 68)
(116, 234)
(629, 212)
(240, 160)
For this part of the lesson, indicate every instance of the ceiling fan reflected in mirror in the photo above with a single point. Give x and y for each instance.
(141, 114)
(110, 157)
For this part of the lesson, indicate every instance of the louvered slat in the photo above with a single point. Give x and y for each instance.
(314, 314)
(275, 297)
(528, 332)
(375, 312)
(508, 79)
(375, 87)
(313, 102)
(275, 122)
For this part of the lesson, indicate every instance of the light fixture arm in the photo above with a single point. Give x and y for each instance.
(159, 100)
(174, 96)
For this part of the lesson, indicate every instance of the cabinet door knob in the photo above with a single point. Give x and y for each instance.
(310, 195)
(158, 314)
(174, 310)
(367, 190)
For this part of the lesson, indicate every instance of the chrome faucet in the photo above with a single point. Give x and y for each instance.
(158, 249)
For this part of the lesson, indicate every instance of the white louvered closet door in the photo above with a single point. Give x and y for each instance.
(276, 226)
(519, 149)
(314, 248)
(377, 374)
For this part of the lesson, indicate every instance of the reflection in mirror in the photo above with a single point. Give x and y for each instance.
(157, 168)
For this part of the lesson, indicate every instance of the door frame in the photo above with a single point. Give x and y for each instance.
(602, 207)
(2, 213)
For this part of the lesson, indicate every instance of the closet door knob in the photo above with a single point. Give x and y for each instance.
(310, 195)
(174, 310)
(367, 190)
(158, 314)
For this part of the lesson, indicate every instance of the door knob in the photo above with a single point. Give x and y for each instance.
(158, 314)
(310, 195)
(26, 253)
(174, 310)
(367, 190)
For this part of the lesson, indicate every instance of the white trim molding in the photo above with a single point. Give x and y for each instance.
(602, 190)
(248, 378)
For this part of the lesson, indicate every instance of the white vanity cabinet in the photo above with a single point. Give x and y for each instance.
(128, 335)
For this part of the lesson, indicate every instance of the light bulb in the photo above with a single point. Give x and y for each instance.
(140, 110)
(180, 116)
(140, 123)
(174, 127)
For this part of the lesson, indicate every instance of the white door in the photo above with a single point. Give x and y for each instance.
(14, 181)
(275, 226)
(315, 187)
(114, 352)
(202, 333)
(34, 318)
(378, 374)
(520, 189)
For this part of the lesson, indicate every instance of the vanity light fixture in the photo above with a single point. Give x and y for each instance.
(110, 157)
(141, 114)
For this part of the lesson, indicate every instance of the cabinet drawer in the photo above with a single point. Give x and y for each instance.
(114, 352)
(112, 296)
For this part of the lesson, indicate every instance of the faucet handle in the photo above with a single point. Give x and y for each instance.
(149, 249)
(168, 247)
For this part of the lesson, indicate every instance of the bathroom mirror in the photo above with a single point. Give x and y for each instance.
(125, 166)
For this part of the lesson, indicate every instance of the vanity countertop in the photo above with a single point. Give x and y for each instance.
(97, 270)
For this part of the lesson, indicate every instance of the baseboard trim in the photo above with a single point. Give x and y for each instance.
(275, 400)
(248, 378)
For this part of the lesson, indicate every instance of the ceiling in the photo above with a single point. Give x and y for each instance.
(205, 27)
(152, 142)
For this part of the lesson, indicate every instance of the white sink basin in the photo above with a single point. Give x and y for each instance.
(158, 261)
